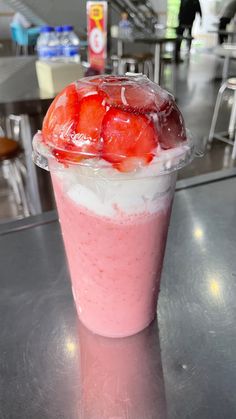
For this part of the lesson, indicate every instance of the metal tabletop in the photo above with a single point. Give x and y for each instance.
(19, 90)
(51, 367)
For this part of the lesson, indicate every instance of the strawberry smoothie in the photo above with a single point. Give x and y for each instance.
(113, 146)
(115, 264)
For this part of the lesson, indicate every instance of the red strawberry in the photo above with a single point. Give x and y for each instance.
(61, 118)
(128, 140)
(171, 127)
(90, 115)
(134, 98)
(85, 142)
(61, 115)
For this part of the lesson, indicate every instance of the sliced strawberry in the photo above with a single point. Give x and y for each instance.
(61, 115)
(85, 140)
(90, 115)
(128, 136)
(133, 97)
(61, 118)
(171, 127)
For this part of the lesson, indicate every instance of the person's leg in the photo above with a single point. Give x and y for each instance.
(179, 33)
(189, 42)
(224, 21)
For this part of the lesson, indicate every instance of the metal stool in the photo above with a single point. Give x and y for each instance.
(137, 63)
(228, 136)
(18, 128)
(10, 152)
(227, 51)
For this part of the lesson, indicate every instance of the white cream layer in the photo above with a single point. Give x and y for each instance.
(100, 188)
(114, 196)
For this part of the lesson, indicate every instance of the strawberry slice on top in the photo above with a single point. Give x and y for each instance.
(73, 122)
(132, 97)
(171, 127)
(129, 140)
(60, 117)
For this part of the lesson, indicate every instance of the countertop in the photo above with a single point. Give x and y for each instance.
(51, 367)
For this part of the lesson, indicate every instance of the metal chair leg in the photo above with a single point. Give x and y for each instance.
(18, 49)
(132, 68)
(13, 182)
(151, 71)
(225, 71)
(232, 121)
(215, 114)
(173, 78)
(141, 68)
(234, 148)
(21, 189)
(25, 49)
(122, 67)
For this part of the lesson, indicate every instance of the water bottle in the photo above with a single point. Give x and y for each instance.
(70, 44)
(125, 27)
(59, 35)
(47, 44)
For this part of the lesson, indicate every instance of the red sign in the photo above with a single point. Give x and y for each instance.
(97, 33)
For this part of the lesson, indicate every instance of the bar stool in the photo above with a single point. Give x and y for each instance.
(133, 63)
(228, 136)
(228, 51)
(10, 152)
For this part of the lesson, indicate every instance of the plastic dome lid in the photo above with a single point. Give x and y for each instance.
(125, 122)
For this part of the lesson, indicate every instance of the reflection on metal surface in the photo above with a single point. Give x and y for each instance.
(215, 288)
(70, 347)
(198, 233)
(121, 378)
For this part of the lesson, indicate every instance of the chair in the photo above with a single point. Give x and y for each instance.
(10, 152)
(18, 128)
(229, 136)
(24, 38)
(227, 51)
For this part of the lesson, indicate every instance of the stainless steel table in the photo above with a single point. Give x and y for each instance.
(51, 367)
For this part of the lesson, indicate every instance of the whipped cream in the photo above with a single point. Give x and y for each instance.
(113, 197)
(100, 188)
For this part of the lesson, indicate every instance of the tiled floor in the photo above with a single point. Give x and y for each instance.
(197, 87)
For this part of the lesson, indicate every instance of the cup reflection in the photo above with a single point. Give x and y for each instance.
(121, 378)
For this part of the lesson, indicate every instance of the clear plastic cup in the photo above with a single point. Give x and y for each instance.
(114, 210)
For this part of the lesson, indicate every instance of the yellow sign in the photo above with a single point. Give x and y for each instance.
(96, 13)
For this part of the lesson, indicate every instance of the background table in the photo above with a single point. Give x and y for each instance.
(158, 41)
(230, 34)
(43, 371)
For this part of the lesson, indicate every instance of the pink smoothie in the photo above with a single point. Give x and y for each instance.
(115, 265)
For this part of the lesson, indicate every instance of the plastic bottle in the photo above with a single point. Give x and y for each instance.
(59, 35)
(70, 44)
(47, 44)
(125, 26)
